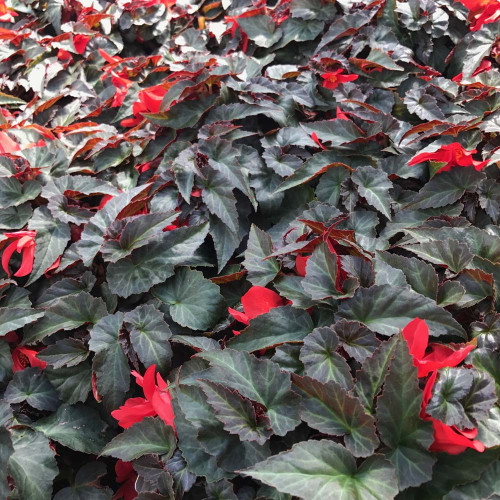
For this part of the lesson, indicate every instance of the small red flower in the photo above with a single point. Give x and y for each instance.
(430, 358)
(64, 55)
(334, 78)
(157, 401)
(125, 474)
(7, 145)
(314, 137)
(258, 300)
(481, 12)
(452, 155)
(300, 264)
(22, 356)
(6, 15)
(24, 243)
(122, 85)
(149, 102)
(80, 42)
(341, 115)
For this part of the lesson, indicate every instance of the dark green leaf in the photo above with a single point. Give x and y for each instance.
(356, 339)
(279, 325)
(65, 352)
(328, 408)
(194, 301)
(312, 468)
(374, 185)
(260, 271)
(151, 435)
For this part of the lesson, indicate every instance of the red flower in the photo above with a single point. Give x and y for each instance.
(416, 334)
(314, 137)
(157, 401)
(7, 145)
(122, 85)
(341, 115)
(484, 66)
(452, 155)
(80, 42)
(447, 438)
(300, 265)
(149, 102)
(482, 12)
(22, 356)
(258, 300)
(333, 79)
(64, 55)
(125, 474)
(6, 15)
(24, 243)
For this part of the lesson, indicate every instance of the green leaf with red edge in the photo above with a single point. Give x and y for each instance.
(399, 424)
(66, 313)
(194, 302)
(317, 165)
(370, 378)
(12, 318)
(110, 364)
(236, 413)
(357, 340)
(328, 408)
(487, 486)
(51, 239)
(259, 380)
(279, 325)
(447, 188)
(13, 193)
(150, 335)
(312, 468)
(374, 185)
(320, 359)
(93, 234)
(150, 436)
(32, 465)
(320, 281)
(386, 309)
(152, 264)
(138, 231)
(31, 385)
(260, 269)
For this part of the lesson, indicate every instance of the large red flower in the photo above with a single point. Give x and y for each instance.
(22, 356)
(452, 155)
(334, 78)
(258, 300)
(24, 243)
(157, 401)
(430, 358)
(482, 12)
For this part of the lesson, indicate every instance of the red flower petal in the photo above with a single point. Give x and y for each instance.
(238, 316)
(148, 384)
(259, 300)
(416, 334)
(300, 264)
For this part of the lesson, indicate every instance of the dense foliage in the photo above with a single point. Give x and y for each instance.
(249, 250)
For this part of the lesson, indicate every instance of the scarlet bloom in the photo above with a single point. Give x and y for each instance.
(24, 243)
(430, 358)
(149, 102)
(333, 79)
(6, 15)
(125, 474)
(315, 138)
(258, 300)
(157, 401)
(300, 265)
(80, 42)
(452, 155)
(22, 357)
(122, 85)
(482, 12)
(7, 145)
